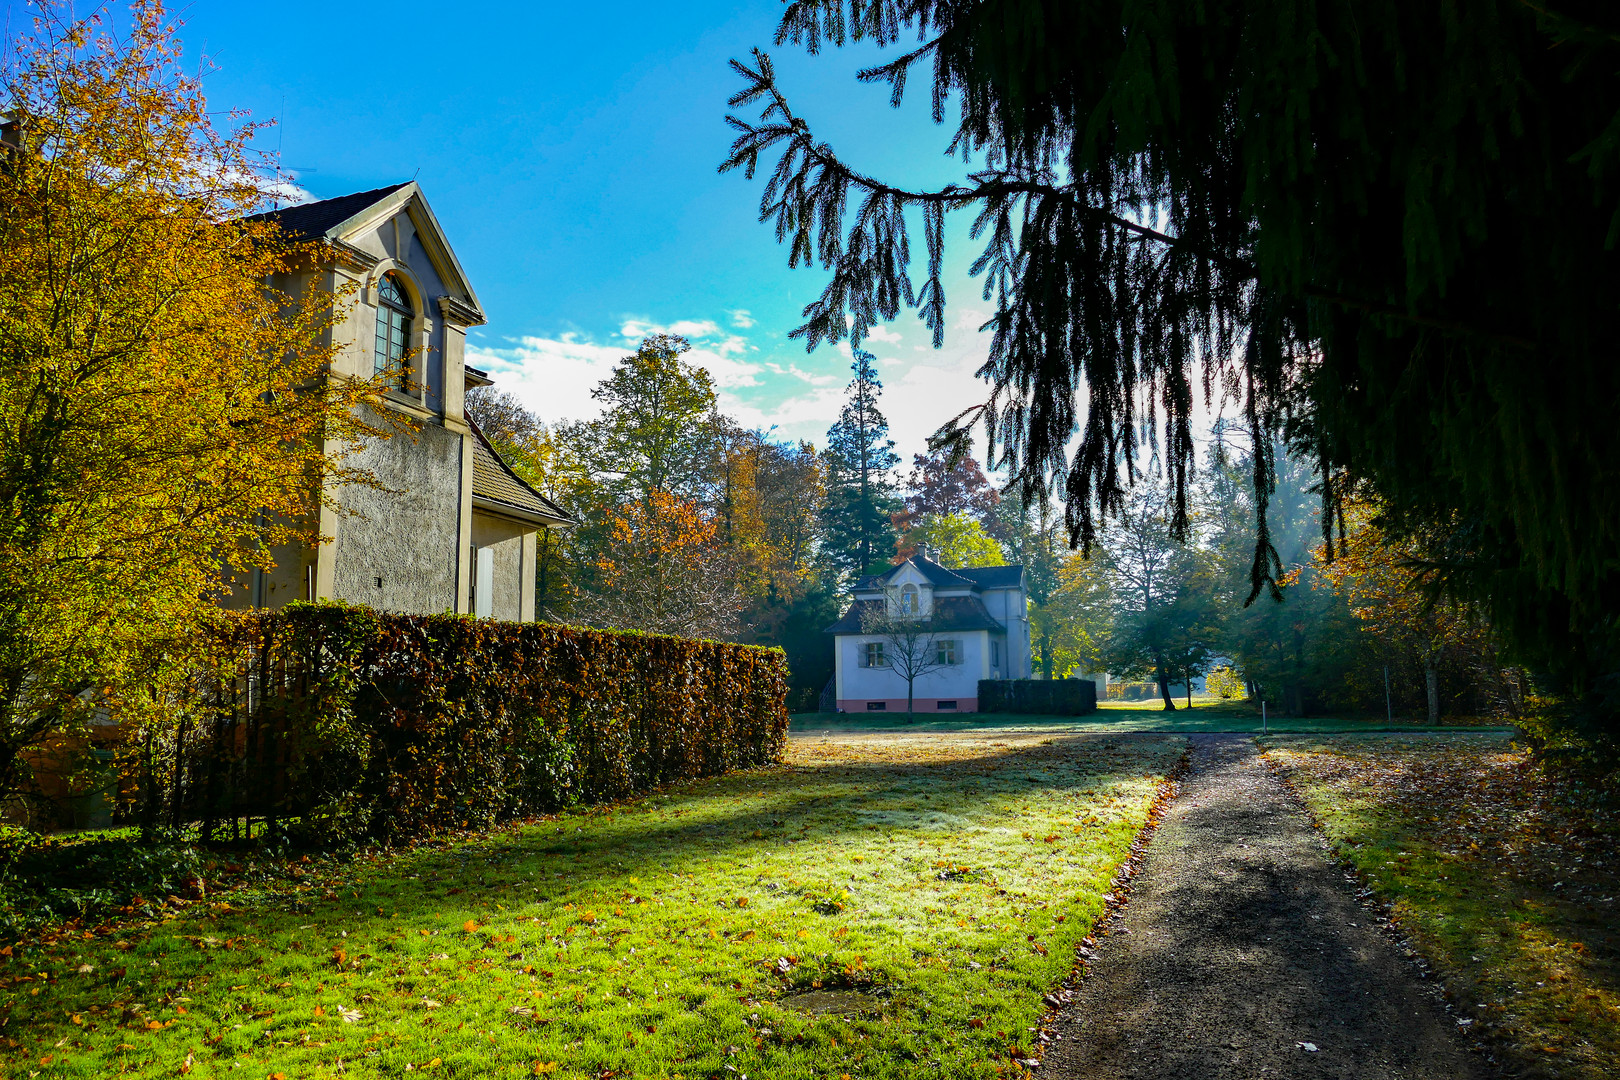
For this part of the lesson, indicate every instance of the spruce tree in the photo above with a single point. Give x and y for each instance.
(858, 535)
(1353, 216)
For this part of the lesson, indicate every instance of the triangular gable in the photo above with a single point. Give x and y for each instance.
(347, 216)
(409, 197)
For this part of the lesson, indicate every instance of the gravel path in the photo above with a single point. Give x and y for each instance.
(1241, 949)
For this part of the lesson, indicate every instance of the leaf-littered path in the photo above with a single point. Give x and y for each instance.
(928, 890)
(1243, 953)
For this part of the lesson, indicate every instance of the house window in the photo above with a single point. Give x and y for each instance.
(995, 654)
(877, 706)
(393, 327)
(910, 600)
(873, 655)
(949, 654)
(946, 705)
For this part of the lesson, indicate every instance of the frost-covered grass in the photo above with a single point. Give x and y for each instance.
(940, 883)
(1506, 879)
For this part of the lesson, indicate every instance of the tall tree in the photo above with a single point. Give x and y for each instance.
(857, 518)
(1159, 614)
(1351, 216)
(653, 433)
(164, 416)
(941, 484)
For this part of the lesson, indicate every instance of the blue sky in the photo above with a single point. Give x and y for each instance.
(570, 152)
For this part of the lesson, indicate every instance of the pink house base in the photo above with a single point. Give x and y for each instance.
(898, 705)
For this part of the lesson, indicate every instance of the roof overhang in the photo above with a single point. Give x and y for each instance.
(497, 508)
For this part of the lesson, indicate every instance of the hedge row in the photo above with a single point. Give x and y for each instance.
(339, 721)
(1046, 697)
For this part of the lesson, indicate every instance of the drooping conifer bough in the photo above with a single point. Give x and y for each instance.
(1382, 231)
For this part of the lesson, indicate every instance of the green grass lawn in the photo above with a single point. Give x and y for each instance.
(1206, 714)
(925, 892)
(1506, 879)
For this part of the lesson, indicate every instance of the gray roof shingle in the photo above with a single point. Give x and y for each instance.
(950, 613)
(308, 221)
(494, 480)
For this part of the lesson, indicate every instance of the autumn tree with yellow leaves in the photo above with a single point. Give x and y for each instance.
(1385, 584)
(164, 416)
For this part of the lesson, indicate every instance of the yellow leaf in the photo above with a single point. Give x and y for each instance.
(541, 1068)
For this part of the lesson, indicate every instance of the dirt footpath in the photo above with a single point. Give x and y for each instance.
(1243, 954)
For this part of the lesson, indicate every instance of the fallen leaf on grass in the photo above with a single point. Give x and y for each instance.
(1309, 1048)
(349, 1015)
(542, 1068)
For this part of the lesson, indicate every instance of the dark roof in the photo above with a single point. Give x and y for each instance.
(495, 481)
(983, 577)
(950, 613)
(993, 577)
(311, 220)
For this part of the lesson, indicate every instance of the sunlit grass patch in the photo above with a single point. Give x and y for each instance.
(937, 886)
(1508, 882)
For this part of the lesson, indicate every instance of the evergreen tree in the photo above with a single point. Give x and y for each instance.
(1352, 214)
(857, 517)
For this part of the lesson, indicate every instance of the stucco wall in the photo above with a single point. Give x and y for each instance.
(511, 577)
(406, 534)
(959, 681)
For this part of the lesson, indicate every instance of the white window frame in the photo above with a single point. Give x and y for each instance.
(873, 650)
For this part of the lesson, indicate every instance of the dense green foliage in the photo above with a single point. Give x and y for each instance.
(1354, 219)
(341, 722)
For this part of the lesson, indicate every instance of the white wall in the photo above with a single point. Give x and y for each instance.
(958, 681)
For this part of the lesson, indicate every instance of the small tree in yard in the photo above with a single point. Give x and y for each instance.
(910, 646)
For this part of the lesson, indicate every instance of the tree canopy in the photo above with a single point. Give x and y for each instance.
(1354, 221)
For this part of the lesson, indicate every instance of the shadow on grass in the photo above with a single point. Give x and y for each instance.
(730, 858)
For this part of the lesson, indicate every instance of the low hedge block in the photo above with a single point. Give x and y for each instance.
(1050, 697)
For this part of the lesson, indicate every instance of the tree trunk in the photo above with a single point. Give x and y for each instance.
(910, 686)
(1189, 688)
(1046, 654)
(1164, 684)
(1431, 677)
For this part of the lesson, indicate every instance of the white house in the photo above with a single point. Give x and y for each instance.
(978, 620)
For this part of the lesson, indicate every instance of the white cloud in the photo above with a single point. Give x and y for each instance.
(741, 319)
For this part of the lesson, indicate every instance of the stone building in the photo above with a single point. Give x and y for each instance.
(451, 528)
(977, 624)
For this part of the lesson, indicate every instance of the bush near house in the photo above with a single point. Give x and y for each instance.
(334, 722)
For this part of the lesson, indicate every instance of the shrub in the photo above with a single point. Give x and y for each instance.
(338, 722)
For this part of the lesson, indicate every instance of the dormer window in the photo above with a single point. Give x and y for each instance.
(394, 316)
(910, 600)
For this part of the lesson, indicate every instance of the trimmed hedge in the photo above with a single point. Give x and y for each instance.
(1048, 697)
(341, 722)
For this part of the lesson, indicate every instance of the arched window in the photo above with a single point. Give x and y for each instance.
(909, 599)
(393, 325)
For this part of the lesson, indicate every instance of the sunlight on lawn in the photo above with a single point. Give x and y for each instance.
(944, 881)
